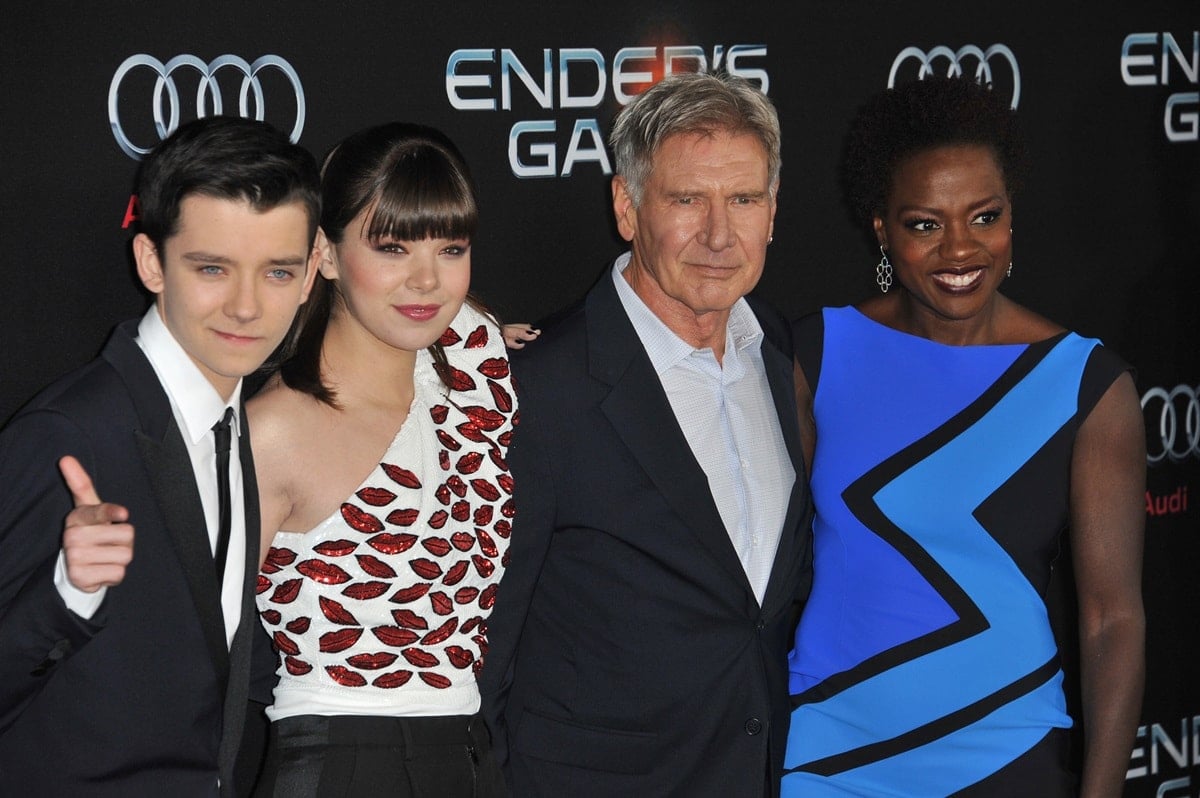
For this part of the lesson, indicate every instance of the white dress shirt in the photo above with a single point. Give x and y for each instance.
(727, 414)
(196, 406)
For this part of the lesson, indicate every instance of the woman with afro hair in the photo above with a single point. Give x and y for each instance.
(953, 435)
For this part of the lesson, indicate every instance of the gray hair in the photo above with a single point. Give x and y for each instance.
(690, 102)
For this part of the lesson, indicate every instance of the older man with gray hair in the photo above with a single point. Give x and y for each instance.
(660, 546)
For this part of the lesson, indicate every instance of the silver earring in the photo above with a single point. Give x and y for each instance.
(770, 239)
(883, 271)
(1009, 272)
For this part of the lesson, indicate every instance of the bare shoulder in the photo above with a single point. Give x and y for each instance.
(878, 308)
(275, 403)
(1025, 326)
(279, 417)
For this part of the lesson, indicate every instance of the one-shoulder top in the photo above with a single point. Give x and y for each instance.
(382, 608)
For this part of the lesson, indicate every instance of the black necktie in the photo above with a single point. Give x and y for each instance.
(221, 432)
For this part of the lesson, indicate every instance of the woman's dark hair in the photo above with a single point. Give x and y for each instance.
(416, 185)
(919, 116)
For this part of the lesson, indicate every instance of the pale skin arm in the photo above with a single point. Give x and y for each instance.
(273, 512)
(271, 469)
(97, 539)
(1108, 477)
(517, 335)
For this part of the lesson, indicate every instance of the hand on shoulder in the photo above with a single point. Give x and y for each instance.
(517, 335)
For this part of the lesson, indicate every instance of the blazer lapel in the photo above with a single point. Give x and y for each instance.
(792, 541)
(238, 694)
(253, 522)
(169, 468)
(640, 412)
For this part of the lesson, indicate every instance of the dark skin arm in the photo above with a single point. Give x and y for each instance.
(1108, 478)
(808, 425)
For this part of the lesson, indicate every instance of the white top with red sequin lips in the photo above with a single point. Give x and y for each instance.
(382, 608)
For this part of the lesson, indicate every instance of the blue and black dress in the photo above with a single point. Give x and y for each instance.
(924, 663)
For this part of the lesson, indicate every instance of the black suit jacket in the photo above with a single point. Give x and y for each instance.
(628, 654)
(145, 699)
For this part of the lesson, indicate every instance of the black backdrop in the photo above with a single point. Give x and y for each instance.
(1106, 232)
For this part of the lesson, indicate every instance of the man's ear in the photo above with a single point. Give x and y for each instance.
(149, 263)
(312, 266)
(624, 209)
(774, 196)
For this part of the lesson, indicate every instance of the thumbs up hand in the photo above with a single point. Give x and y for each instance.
(97, 538)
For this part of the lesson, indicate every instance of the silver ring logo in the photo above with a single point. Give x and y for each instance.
(208, 88)
(1178, 423)
(954, 61)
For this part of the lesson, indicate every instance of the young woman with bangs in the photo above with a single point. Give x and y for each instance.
(385, 494)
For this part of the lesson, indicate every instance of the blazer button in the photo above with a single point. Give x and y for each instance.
(60, 650)
(753, 726)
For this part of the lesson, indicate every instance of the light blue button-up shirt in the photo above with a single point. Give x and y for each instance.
(727, 415)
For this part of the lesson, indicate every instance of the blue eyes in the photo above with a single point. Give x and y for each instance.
(272, 274)
(735, 201)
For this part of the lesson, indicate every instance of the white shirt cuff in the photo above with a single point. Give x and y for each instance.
(78, 601)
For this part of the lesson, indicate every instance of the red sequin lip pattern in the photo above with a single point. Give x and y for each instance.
(402, 579)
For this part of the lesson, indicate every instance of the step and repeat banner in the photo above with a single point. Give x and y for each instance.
(1107, 237)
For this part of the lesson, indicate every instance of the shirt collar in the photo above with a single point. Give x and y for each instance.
(666, 349)
(197, 403)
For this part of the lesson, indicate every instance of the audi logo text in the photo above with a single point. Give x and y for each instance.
(958, 60)
(166, 104)
(1172, 423)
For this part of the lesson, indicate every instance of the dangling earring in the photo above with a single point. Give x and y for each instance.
(1009, 272)
(883, 271)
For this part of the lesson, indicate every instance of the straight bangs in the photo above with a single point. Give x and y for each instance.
(423, 196)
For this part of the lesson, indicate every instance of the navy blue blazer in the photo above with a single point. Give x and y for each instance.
(628, 653)
(144, 699)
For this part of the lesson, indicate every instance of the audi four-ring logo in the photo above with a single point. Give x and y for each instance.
(1176, 416)
(955, 62)
(208, 89)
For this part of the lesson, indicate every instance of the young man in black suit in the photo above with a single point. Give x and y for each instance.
(128, 534)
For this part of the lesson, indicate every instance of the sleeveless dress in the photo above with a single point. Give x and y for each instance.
(382, 608)
(924, 662)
